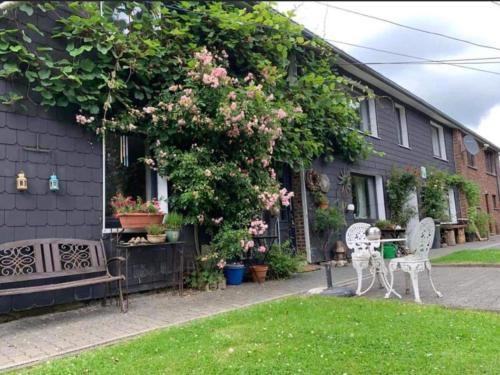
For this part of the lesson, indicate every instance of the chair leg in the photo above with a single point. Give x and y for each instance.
(438, 293)
(414, 282)
(103, 303)
(120, 295)
(359, 272)
(407, 283)
(390, 285)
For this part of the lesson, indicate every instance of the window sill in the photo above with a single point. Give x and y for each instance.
(491, 174)
(472, 167)
(403, 146)
(440, 158)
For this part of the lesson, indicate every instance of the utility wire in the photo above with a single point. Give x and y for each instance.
(409, 27)
(413, 57)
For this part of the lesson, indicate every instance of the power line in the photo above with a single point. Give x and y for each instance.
(439, 62)
(409, 27)
(413, 57)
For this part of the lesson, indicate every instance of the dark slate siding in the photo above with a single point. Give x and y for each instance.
(75, 156)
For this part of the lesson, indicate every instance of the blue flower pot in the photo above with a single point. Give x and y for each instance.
(234, 273)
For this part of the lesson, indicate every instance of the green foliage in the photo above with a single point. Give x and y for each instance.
(173, 221)
(487, 257)
(384, 224)
(482, 222)
(471, 190)
(281, 261)
(434, 198)
(329, 219)
(319, 197)
(399, 187)
(229, 243)
(126, 205)
(118, 76)
(155, 229)
(208, 271)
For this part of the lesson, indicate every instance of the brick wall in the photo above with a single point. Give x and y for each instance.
(488, 183)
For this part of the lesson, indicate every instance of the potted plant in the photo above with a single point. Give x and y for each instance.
(259, 267)
(155, 233)
(136, 213)
(385, 225)
(320, 199)
(233, 245)
(173, 224)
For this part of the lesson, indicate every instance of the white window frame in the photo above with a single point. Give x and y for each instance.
(403, 125)
(441, 142)
(378, 195)
(162, 191)
(452, 206)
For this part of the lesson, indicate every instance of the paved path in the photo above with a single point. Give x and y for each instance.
(39, 338)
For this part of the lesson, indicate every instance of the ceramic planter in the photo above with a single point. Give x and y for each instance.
(234, 273)
(156, 238)
(139, 220)
(172, 235)
(259, 273)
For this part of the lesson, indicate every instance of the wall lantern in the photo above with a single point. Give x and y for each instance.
(53, 183)
(350, 207)
(21, 182)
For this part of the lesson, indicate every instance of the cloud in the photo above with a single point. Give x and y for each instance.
(489, 127)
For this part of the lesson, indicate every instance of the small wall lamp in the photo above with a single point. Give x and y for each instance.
(21, 181)
(350, 207)
(53, 182)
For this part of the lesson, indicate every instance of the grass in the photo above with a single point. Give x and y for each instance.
(310, 335)
(483, 257)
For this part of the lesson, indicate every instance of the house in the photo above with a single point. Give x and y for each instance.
(410, 133)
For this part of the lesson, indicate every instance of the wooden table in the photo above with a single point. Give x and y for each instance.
(454, 233)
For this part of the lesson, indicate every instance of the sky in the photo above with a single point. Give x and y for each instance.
(470, 97)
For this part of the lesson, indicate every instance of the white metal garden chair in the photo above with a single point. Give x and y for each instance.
(420, 242)
(365, 256)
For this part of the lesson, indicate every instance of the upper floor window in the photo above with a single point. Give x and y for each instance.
(402, 127)
(368, 117)
(490, 158)
(471, 159)
(438, 144)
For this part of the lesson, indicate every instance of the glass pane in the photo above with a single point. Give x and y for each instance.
(124, 172)
(364, 197)
(364, 115)
(435, 142)
(399, 125)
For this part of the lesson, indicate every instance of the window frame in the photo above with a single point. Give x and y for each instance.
(440, 141)
(402, 124)
(489, 160)
(376, 209)
(470, 160)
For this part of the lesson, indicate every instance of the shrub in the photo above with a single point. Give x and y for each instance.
(434, 199)
(482, 222)
(384, 224)
(399, 187)
(232, 244)
(155, 229)
(282, 264)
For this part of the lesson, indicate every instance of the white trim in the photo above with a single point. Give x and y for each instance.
(442, 144)
(162, 192)
(373, 117)
(401, 112)
(453, 208)
(379, 191)
(303, 193)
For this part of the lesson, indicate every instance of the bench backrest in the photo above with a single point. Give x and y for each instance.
(51, 257)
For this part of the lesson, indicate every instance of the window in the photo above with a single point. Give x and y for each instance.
(490, 162)
(126, 174)
(451, 208)
(438, 145)
(368, 117)
(364, 197)
(494, 199)
(402, 127)
(471, 159)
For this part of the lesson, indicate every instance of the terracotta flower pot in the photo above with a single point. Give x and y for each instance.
(259, 273)
(324, 205)
(139, 220)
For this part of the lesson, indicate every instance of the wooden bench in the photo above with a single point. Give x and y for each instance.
(55, 259)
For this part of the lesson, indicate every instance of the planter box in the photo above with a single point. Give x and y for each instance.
(139, 220)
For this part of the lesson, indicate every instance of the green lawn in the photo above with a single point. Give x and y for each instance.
(310, 335)
(491, 256)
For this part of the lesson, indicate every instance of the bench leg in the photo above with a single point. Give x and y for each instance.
(120, 295)
(104, 300)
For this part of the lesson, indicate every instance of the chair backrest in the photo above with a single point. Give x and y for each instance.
(42, 258)
(423, 237)
(411, 228)
(356, 240)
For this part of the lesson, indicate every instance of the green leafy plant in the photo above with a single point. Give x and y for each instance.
(281, 261)
(400, 185)
(319, 198)
(328, 221)
(433, 194)
(482, 222)
(155, 229)
(232, 244)
(208, 271)
(173, 221)
(384, 224)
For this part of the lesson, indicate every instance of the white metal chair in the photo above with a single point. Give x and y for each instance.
(365, 256)
(420, 242)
